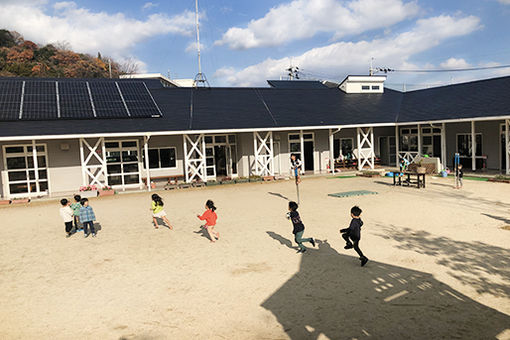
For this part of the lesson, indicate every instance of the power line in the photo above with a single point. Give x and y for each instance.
(386, 70)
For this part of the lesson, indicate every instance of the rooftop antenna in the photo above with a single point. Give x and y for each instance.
(200, 77)
(293, 71)
(371, 69)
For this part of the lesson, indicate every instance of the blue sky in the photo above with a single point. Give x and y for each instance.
(247, 42)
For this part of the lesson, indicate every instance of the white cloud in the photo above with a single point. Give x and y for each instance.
(350, 57)
(87, 31)
(149, 5)
(505, 2)
(192, 47)
(301, 19)
(453, 63)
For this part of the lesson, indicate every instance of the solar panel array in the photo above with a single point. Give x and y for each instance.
(46, 100)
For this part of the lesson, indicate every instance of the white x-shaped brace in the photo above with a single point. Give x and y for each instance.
(263, 154)
(97, 170)
(195, 168)
(408, 156)
(365, 148)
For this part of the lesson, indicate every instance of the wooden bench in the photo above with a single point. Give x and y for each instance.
(168, 178)
(419, 182)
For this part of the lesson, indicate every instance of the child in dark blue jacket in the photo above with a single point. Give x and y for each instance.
(353, 233)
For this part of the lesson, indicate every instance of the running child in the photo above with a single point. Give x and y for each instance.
(460, 176)
(299, 227)
(87, 218)
(295, 166)
(67, 215)
(210, 218)
(76, 206)
(158, 212)
(353, 233)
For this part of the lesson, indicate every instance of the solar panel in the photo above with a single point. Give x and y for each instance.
(139, 100)
(70, 99)
(10, 99)
(74, 99)
(40, 100)
(107, 100)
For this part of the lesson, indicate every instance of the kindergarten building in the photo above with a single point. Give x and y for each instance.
(59, 134)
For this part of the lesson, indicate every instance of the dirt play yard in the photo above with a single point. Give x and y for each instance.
(439, 266)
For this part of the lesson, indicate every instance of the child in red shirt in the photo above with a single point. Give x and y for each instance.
(210, 218)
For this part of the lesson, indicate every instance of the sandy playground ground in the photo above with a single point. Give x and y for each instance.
(439, 266)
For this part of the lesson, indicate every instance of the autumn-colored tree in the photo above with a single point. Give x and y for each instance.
(19, 57)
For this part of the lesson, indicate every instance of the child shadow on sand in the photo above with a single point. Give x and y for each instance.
(161, 223)
(97, 228)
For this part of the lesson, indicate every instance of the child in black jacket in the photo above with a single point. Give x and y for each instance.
(353, 233)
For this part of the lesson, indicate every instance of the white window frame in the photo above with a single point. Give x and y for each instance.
(161, 168)
(120, 148)
(228, 154)
(27, 154)
(469, 135)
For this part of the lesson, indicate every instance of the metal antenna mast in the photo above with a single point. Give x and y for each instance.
(200, 77)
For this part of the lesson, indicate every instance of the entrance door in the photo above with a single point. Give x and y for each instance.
(384, 149)
(393, 150)
(21, 170)
(504, 154)
(308, 146)
(220, 160)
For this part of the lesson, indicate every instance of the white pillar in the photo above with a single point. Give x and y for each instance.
(359, 148)
(396, 146)
(105, 167)
(372, 152)
(186, 161)
(204, 159)
(473, 146)
(302, 146)
(146, 152)
(507, 145)
(256, 154)
(419, 140)
(82, 158)
(331, 151)
(36, 167)
(443, 145)
(271, 153)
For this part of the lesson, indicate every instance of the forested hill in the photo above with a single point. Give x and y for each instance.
(24, 58)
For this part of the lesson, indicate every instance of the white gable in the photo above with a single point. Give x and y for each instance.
(363, 84)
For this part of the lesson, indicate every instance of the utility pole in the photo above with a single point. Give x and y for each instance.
(110, 66)
(200, 77)
(371, 70)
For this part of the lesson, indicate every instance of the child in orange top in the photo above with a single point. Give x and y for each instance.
(210, 218)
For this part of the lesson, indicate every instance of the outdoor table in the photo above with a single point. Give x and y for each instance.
(420, 179)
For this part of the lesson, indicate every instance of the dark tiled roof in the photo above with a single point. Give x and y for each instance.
(483, 98)
(238, 108)
(296, 84)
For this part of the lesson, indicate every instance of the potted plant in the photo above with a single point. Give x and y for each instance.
(500, 179)
(254, 178)
(421, 169)
(88, 191)
(106, 191)
(242, 180)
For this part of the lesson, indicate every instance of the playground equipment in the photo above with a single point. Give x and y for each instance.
(456, 163)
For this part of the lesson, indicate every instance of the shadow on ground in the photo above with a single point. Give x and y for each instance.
(278, 195)
(332, 295)
(498, 218)
(469, 262)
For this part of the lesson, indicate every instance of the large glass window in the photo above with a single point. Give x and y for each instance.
(122, 160)
(23, 175)
(464, 145)
(162, 158)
